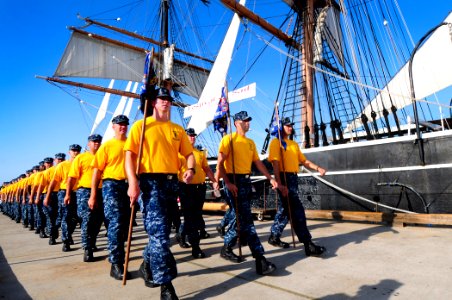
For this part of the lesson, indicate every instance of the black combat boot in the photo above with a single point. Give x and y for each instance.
(312, 249)
(275, 241)
(263, 266)
(180, 238)
(204, 234)
(117, 271)
(66, 246)
(228, 254)
(146, 273)
(196, 252)
(42, 234)
(52, 241)
(88, 255)
(220, 230)
(167, 292)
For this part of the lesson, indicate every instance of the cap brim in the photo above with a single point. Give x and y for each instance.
(247, 119)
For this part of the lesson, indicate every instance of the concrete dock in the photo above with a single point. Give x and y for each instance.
(363, 261)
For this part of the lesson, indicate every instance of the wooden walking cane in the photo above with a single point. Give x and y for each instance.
(132, 212)
(286, 198)
(140, 152)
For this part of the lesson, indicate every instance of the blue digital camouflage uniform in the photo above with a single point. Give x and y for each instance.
(51, 212)
(69, 216)
(298, 214)
(157, 192)
(280, 221)
(248, 232)
(91, 219)
(192, 197)
(40, 216)
(117, 212)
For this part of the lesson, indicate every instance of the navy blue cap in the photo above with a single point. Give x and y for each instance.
(242, 116)
(95, 138)
(120, 119)
(75, 147)
(41, 163)
(287, 122)
(35, 168)
(163, 93)
(48, 160)
(190, 132)
(61, 156)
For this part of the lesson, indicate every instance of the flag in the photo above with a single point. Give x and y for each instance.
(220, 118)
(275, 131)
(149, 77)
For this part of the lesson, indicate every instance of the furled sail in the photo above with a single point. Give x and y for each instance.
(432, 72)
(211, 94)
(86, 56)
(328, 29)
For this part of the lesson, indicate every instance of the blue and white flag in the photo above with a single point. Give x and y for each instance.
(275, 131)
(149, 77)
(220, 118)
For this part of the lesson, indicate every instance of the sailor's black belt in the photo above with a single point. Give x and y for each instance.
(158, 176)
(289, 173)
(114, 180)
(238, 176)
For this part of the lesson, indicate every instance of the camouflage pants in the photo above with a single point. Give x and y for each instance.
(157, 192)
(69, 215)
(247, 230)
(31, 213)
(280, 221)
(117, 212)
(51, 212)
(91, 218)
(192, 199)
(40, 217)
(25, 213)
(296, 208)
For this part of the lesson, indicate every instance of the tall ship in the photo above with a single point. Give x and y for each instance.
(370, 104)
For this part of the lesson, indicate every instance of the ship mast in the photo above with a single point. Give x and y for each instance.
(307, 112)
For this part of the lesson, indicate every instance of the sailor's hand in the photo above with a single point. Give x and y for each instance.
(92, 202)
(46, 201)
(284, 191)
(216, 186)
(67, 199)
(188, 176)
(274, 184)
(321, 171)
(232, 188)
(134, 192)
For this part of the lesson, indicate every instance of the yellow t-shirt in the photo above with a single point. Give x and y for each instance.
(201, 160)
(110, 160)
(292, 155)
(81, 169)
(61, 172)
(244, 153)
(37, 179)
(46, 178)
(163, 141)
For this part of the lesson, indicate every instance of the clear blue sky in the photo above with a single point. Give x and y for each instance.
(38, 119)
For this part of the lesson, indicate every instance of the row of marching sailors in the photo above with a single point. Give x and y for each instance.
(169, 167)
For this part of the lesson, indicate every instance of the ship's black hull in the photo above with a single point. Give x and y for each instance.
(389, 172)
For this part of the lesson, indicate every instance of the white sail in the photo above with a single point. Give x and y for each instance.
(328, 28)
(211, 94)
(432, 72)
(109, 133)
(89, 57)
(102, 111)
(128, 108)
(242, 93)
